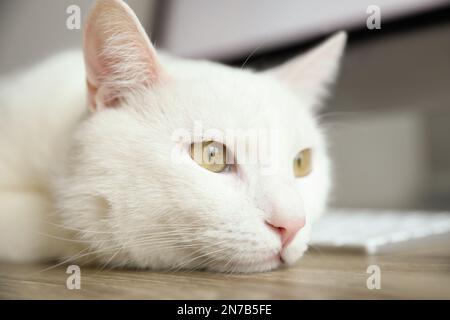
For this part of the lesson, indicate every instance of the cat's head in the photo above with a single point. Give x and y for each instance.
(138, 193)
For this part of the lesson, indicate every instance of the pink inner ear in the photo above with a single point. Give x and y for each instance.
(118, 54)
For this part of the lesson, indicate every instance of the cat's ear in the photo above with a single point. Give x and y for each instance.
(310, 73)
(118, 54)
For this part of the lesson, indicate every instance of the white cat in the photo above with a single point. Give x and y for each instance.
(98, 183)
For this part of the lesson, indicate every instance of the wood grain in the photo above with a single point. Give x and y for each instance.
(319, 275)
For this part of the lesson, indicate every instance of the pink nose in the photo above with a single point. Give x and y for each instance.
(287, 228)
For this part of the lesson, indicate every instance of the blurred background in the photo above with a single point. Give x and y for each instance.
(389, 118)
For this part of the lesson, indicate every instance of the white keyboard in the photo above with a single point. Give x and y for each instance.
(374, 231)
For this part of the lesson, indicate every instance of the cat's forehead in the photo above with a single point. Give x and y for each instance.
(223, 97)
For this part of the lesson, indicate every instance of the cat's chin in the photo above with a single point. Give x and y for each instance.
(292, 254)
(262, 265)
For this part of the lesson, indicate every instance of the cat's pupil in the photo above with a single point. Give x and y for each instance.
(212, 153)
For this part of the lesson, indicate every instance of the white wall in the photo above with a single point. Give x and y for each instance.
(31, 30)
(224, 29)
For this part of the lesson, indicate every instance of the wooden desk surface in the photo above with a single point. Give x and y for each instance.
(319, 275)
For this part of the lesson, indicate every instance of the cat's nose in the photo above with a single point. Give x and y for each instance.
(287, 228)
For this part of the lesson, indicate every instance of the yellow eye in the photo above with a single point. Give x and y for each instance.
(303, 163)
(210, 155)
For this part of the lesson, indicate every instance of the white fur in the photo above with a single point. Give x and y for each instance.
(101, 186)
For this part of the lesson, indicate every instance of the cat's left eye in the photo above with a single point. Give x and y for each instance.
(210, 155)
(303, 163)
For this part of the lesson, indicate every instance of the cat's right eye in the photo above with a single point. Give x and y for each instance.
(210, 155)
(303, 163)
